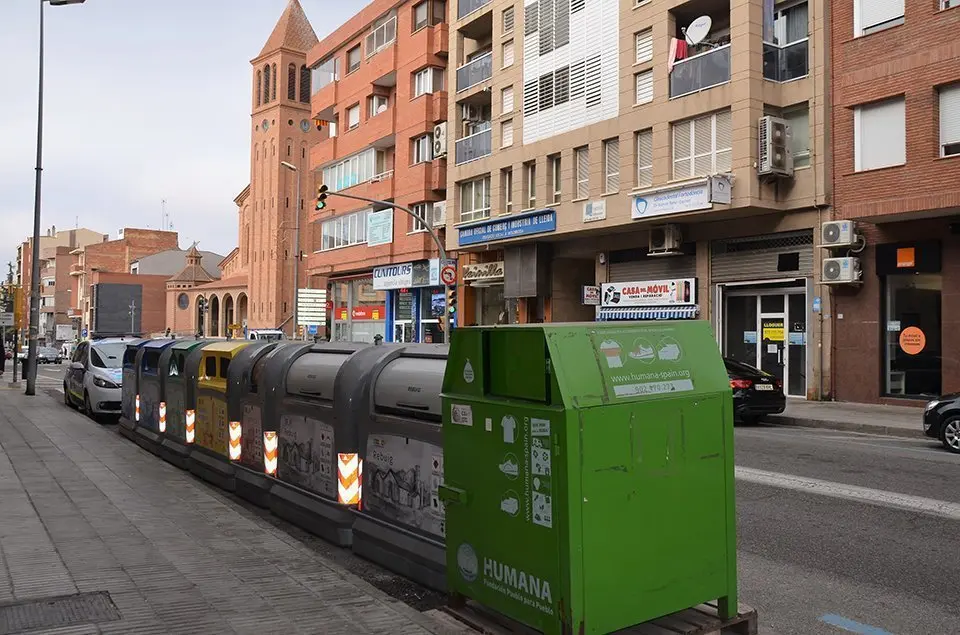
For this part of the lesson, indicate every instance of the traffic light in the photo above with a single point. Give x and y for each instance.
(321, 197)
(452, 301)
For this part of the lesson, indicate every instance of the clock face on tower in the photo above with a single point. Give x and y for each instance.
(305, 125)
(183, 301)
(265, 125)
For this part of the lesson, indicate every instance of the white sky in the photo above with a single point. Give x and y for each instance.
(145, 100)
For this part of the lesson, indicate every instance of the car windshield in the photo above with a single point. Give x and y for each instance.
(107, 355)
(733, 366)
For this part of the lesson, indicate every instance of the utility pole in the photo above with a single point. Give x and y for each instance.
(133, 316)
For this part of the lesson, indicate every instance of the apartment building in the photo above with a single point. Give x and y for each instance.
(607, 164)
(59, 292)
(896, 165)
(379, 91)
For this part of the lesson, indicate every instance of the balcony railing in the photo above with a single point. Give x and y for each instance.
(476, 146)
(786, 63)
(700, 72)
(472, 73)
(466, 7)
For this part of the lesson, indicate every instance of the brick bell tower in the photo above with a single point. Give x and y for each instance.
(282, 130)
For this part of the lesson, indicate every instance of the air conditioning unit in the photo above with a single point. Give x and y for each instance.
(440, 214)
(840, 270)
(664, 240)
(838, 233)
(776, 159)
(440, 139)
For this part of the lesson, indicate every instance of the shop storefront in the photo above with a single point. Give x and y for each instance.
(764, 299)
(911, 309)
(415, 301)
(486, 281)
(359, 310)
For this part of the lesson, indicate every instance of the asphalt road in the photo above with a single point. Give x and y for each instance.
(838, 532)
(813, 552)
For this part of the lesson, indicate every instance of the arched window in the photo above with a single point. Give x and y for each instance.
(266, 83)
(292, 82)
(273, 86)
(305, 84)
(259, 86)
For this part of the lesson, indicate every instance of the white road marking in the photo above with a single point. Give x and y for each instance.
(868, 495)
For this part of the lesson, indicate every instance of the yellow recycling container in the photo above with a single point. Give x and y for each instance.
(210, 458)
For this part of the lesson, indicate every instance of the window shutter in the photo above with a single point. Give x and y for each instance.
(506, 133)
(612, 165)
(645, 87)
(950, 114)
(508, 53)
(645, 158)
(506, 102)
(508, 20)
(724, 141)
(644, 46)
(530, 93)
(353, 116)
(530, 18)
(682, 166)
(880, 135)
(583, 173)
(876, 12)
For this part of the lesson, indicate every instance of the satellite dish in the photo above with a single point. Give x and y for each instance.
(381, 108)
(698, 30)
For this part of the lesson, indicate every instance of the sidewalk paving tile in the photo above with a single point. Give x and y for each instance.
(85, 510)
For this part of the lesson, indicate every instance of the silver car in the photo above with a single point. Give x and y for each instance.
(94, 376)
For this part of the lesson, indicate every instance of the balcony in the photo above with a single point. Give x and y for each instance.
(481, 69)
(466, 7)
(700, 72)
(76, 269)
(786, 63)
(473, 147)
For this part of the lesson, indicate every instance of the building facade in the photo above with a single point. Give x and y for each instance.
(256, 285)
(379, 91)
(619, 160)
(896, 166)
(113, 256)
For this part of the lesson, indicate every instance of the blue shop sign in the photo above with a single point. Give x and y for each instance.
(537, 222)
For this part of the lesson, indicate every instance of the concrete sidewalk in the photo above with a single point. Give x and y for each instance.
(98, 537)
(896, 421)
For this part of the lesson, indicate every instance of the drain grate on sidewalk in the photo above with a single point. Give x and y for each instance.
(64, 610)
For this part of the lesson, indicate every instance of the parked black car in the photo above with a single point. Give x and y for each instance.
(941, 420)
(755, 393)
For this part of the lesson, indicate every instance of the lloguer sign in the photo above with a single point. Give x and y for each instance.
(483, 271)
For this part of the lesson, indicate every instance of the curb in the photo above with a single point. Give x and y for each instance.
(848, 426)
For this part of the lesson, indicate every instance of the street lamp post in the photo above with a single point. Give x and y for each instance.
(296, 249)
(35, 263)
(433, 234)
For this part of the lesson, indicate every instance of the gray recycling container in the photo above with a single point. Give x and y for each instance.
(150, 387)
(245, 405)
(400, 524)
(178, 364)
(310, 437)
(129, 388)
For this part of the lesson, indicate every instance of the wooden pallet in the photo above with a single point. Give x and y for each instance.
(699, 620)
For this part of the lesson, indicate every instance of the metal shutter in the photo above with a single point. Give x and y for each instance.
(950, 114)
(756, 257)
(659, 268)
(876, 12)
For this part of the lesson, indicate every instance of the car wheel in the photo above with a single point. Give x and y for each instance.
(950, 434)
(87, 408)
(749, 420)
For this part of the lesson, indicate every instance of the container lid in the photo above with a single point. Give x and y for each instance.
(314, 374)
(411, 385)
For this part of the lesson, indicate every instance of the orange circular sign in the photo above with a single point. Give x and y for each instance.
(912, 340)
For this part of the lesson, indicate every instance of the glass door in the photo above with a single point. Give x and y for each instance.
(772, 334)
(404, 313)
